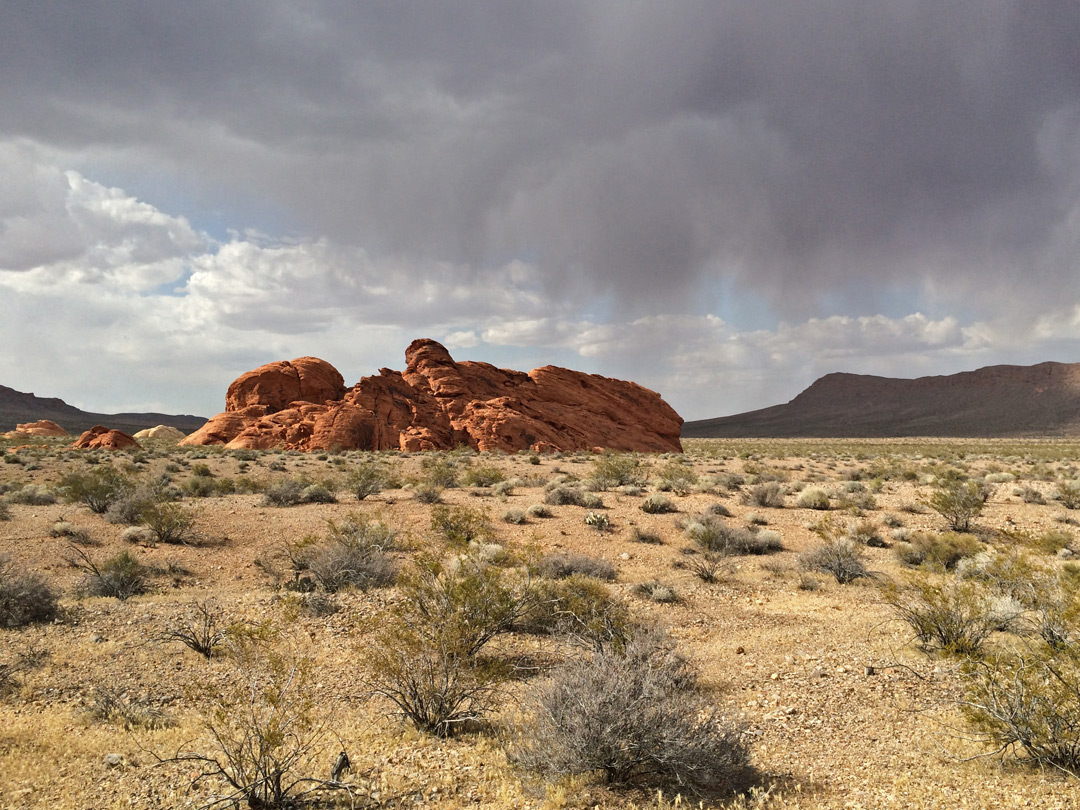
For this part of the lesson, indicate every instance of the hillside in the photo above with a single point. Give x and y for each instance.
(996, 401)
(17, 407)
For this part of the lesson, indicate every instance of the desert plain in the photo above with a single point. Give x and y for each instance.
(839, 705)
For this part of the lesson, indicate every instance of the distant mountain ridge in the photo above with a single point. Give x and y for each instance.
(996, 401)
(17, 407)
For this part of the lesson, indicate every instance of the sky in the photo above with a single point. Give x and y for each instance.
(719, 200)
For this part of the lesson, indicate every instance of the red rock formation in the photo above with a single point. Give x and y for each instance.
(101, 438)
(438, 403)
(42, 427)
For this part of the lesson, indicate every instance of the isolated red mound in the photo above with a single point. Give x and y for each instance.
(438, 404)
(42, 427)
(101, 438)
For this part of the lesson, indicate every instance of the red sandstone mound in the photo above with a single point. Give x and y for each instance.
(101, 438)
(42, 427)
(436, 404)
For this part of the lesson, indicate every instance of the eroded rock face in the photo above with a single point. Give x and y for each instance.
(437, 403)
(42, 427)
(101, 438)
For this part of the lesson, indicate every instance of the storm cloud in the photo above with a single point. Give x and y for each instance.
(721, 200)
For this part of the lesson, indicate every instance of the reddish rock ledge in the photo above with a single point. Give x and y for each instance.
(101, 438)
(438, 403)
(42, 427)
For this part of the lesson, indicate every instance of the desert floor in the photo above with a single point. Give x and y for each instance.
(841, 708)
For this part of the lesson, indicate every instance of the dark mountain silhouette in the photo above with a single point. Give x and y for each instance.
(996, 401)
(17, 407)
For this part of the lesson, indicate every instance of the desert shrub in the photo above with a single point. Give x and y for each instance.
(677, 477)
(25, 598)
(892, 521)
(562, 566)
(639, 535)
(562, 495)
(813, 498)
(515, 517)
(110, 705)
(539, 510)
(439, 471)
(615, 470)
(657, 504)
(199, 486)
(1052, 541)
(837, 555)
(1068, 493)
(590, 500)
(267, 729)
(317, 493)
(656, 591)
(138, 535)
(32, 495)
(98, 488)
(713, 535)
(482, 476)
(121, 576)
(943, 551)
(366, 480)
(353, 557)
(428, 493)
(426, 655)
(203, 629)
(706, 566)
(63, 528)
(719, 510)
(5, 511)
(1029, 494)
(1027, 704)
(768, 494)
(954, 616)
(959, 503)
(460, 525)
(169, 522)
(599, 521)
(633, 715)
(283, 492)
(579, 608)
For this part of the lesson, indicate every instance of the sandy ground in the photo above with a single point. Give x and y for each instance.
(841, 710)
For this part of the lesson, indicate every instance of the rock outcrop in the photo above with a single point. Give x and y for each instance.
(42, 427)
(438, 403)
(161, 433)
(101, 438)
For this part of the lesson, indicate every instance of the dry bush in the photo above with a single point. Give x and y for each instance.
(121, 576)
(813, 498)
(204, 629)
(648, 536)
(354, 554)
(579, 608)
(712, 534)
(943, 551)
(840, 557)
(635, 717)
(1028, 704)
(25, 598)
(954, 616)
(769, 494)
(657, 504)
(562, 566)
(110, 705)
(1068, 493)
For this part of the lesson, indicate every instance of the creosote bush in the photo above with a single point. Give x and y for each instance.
(713, 535)
(615, 470)
(460, 525)
(943, 551)
(960, 502)
(769, 494)
(635, 717)
(954, 616)
(426, 655)
(561, 566)
(1068, 493)
(579, 608)
(25, 598)
(121, 576)
(838, 554)
(97, 488)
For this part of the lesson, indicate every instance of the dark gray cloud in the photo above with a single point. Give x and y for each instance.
(827, 157)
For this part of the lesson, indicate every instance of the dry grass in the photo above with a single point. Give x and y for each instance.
(787, 664)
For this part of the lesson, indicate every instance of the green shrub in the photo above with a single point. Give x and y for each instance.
(366, 480)
(943, 551)
(426, 655)
(98, 488)
(960, 503)
(599, 521)
(580, 608)
(460, 525)
(677, 477)
(169, 522)
(121, 576)
(25, 598)
(635, 716)
(439, 471)
(482, 476)
(615, 470)
(1068, 493)
(954, 616)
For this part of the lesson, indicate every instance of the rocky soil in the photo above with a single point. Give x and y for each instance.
(841, 709)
